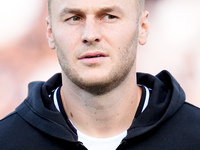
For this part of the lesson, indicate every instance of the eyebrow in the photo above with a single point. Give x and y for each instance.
(69, 11)
(79, 11)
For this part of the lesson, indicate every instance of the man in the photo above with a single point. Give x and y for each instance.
(99, 101)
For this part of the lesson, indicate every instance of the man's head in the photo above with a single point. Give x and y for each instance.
(96, 41)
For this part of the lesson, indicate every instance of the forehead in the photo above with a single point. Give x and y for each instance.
(58, 5)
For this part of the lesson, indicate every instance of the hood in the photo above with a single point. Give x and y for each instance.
(166, 99)
(39, 111)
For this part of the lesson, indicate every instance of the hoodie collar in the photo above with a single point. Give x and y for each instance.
(39, 110)
(166, 98)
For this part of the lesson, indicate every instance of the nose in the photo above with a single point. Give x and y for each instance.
(91, 32)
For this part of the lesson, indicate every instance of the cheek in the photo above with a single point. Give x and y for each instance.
(128, 45)
(66, 42)
(67, 35)
(122, 35)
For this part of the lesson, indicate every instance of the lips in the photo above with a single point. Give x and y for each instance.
(93, 55)
(93, 58)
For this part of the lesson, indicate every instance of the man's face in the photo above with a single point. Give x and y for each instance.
(96, 41)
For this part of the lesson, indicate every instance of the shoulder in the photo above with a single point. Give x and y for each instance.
(186, 119)
(7, 120)
(11, 127)
(182, 128)
(10, 124)
(190, 111)
(16, 133)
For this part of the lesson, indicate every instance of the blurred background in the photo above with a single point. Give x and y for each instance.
(173, 44)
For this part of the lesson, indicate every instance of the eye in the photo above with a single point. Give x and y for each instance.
(73, 20)
(109, 18)
(76, 18)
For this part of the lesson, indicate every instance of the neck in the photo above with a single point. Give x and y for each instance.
(103, 115)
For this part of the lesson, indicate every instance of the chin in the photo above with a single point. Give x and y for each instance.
(99, 86)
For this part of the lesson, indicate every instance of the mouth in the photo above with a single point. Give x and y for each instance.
(93, 55)
(93, 58)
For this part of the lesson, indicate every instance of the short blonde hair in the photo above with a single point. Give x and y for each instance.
(140, 5)
(49, 6)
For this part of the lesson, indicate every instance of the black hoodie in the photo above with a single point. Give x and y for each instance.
(168, 122)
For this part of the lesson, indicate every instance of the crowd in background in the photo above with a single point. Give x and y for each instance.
(173, 44)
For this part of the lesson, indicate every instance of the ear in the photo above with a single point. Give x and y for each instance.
(49, 34)
(144, 28)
